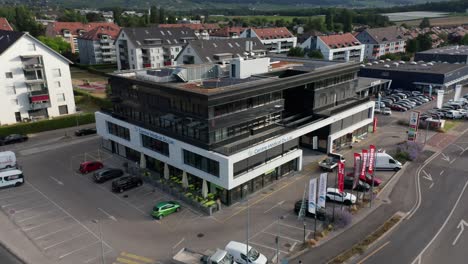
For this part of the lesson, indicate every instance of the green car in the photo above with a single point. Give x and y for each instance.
(164, 209)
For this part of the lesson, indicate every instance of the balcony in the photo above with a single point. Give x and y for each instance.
(39, 99)
(32, 67)
(40, 105)
(105, 41)
(38, 94)
(108, 53)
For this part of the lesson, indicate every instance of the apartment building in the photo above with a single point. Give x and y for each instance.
(336, 47)
(150, 47)
(97, 45)
(227, 33)
(35, 80)
(381, 41)
(4, 25)
(234, 127)
(202, 31)
(276, 40)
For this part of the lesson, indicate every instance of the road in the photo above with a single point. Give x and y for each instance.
(7, 258)
(432, 230)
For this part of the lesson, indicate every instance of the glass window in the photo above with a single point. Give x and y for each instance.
(61, 97)
(155, 145)
(202, 163)
(9, 75)
(58, 84)
(118, 131)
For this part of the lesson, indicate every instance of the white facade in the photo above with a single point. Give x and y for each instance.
(273, 45)
(352, 53)
(101, 51)
(16, 92)
(226, 177)
(374, 51)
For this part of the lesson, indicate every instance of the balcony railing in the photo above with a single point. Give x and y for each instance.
(32, 67)
(41, 105)
(39, 93)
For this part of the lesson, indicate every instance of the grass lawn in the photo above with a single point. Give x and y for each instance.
(79, 75)
(449, 124)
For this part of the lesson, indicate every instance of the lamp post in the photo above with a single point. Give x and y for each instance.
(100, 238)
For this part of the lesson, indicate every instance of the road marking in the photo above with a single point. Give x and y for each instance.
(108, 215)
(278, 204)
(452, 160)
(374, 252)
(293, 226)
(443, 225)
(46, 223)
(261, 245)
(17, 195)
(427, 176)
(460, 226)
(463, 150)
(178, 243)
(293, 246)
(65, 240)
(442, 172)
(34, 207)
(126, 261)
(37, 215)
(78, 249)
(432, 185)
(56, 180)
(94, 258)
(445, 157)
(136, 257)
(55, 232)
(292, 239)
(22, 201)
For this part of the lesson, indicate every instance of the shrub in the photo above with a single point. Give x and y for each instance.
(408, 150)
(85, 96)
(343, 218)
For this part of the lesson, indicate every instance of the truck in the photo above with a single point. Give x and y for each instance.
(189, 256)
(328, 164)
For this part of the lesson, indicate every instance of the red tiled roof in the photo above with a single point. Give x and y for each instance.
(228, 31)
(112, 30)
(192, 26)
(56, 28)
(4, 25)
(340, 40)
(273, 33)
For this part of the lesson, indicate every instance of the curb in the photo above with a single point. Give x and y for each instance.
(9, 250)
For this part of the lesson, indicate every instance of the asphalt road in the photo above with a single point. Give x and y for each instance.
(432, 231)
(7, 258)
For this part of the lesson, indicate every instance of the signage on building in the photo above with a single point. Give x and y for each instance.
(322, 190)
(413, 125)
(341, 173)
(154, 135)
(312, 195)
(270, 145)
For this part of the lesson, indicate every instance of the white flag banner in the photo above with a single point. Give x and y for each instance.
(440, 98)
(458, 89)
(322, 190)
(312, 195)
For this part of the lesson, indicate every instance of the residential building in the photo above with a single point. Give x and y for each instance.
(235, 127)
(202, 31)
(418, 75)
(450, 54)
(336, 47)
(150, 47)
(97, 45)
(4, 25)
(381, 41)
(227, 32)
(220, 50)
(70, 31)
(276, 40)
(35, 80)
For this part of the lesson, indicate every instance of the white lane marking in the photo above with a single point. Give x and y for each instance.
(17, 195)
(178, 243)
(34, 207)
(66, 240)
(443, 225)
(445, 157)
(19, 202)
(460, 226)
(37, 215)
(46, 223)
(261, 245)
(107, 214)
(453, 160)
(55, 232)
(432, 185)
(78, 249)
(427, 176)
(442, 172)
(56, 180)
(66, 212)
(94, 258)
(285, 237)
(278, 204)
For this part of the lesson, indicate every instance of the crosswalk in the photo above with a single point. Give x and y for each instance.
(129, 258)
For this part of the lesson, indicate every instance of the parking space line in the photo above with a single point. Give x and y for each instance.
(46, 223)
(17, 195)
(94, 258)
(37, 215)
(126, 261)
(29, 208)
(136, 257)
(78, 249)
(261, 245)
(19, 202)
(294, 227)
(268, 233)
(178, 243)
(55, 232)
(66, 240)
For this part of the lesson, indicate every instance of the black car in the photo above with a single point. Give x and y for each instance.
(107, 174)
(320, 212)
(360, 187)
(13, 138)
(125, 183)
(85, 131)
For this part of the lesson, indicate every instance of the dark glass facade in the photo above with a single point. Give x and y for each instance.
(202, 163)
(118, 131)
(155, 145)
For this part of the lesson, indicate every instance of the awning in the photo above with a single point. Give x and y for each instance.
(39, 98)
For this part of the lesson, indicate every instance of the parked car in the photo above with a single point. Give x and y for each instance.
(125, 183)
(85, 131)
(333, 194)
(367, 179)
(320, 212)
(90, 166)
(398, 108)
(13, 138)
(453, 114)
(164, 209)
(238, 250)
(415, 93)
(107, 174)
(360, 186)
(386, 111)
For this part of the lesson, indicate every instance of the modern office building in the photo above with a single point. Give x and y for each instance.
(276, 40)
(97, 46)
(35, 80)
(417, 76)
(450, 54)
(336, 47)
(151, 47)
(381, 41)
(238, 126)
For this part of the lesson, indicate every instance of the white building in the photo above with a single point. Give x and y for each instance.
(151, 47)
(97, 46)
(276, 40)
(336, 47)
(381, 41)
(35, 80)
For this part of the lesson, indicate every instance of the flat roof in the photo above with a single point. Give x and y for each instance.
(448, 50)
(420, 67)
(365, 82)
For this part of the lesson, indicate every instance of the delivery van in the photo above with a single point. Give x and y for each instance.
(237, 250)
(11, 178)
(7, 160)
(383, 161)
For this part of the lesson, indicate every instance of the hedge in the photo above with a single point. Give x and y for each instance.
(46, 125)
(101, 102)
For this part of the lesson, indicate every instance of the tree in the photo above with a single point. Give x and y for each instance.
(329, 17)
(56, 43)
(347, 18)
(71, 16)
(412, 46)
(464, 40)
(316, 23)
(154, 16)
(162, 16)
(425, 23)
(404, 25)
(425, 42)
(117, 11)
(95, 17)
(171, 19)
(316, 54)
(296, 52)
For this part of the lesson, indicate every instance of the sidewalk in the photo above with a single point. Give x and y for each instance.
(18, 244)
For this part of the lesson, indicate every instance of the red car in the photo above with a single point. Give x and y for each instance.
(368, 179)
(89, 166)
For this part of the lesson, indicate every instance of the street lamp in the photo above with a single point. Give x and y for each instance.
(100, 238)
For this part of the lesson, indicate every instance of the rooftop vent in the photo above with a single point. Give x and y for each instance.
(424, 65)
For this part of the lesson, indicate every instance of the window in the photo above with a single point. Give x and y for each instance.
(118, 131)
(155, 145)
(61, 97)
(58, 84)
(202, 163)
(31, 47)
(10, 90)
(56, 73)
(9, 75)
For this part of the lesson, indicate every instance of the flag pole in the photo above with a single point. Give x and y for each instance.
(336, 186)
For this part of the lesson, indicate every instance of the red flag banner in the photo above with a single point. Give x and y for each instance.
(341, 173)
(357, 158)
(364, 163)
(371, 159)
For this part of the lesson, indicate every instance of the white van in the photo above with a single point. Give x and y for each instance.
(11, 178)
(7, 160)
(237, 250)
(383, 161)
(453, 114)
